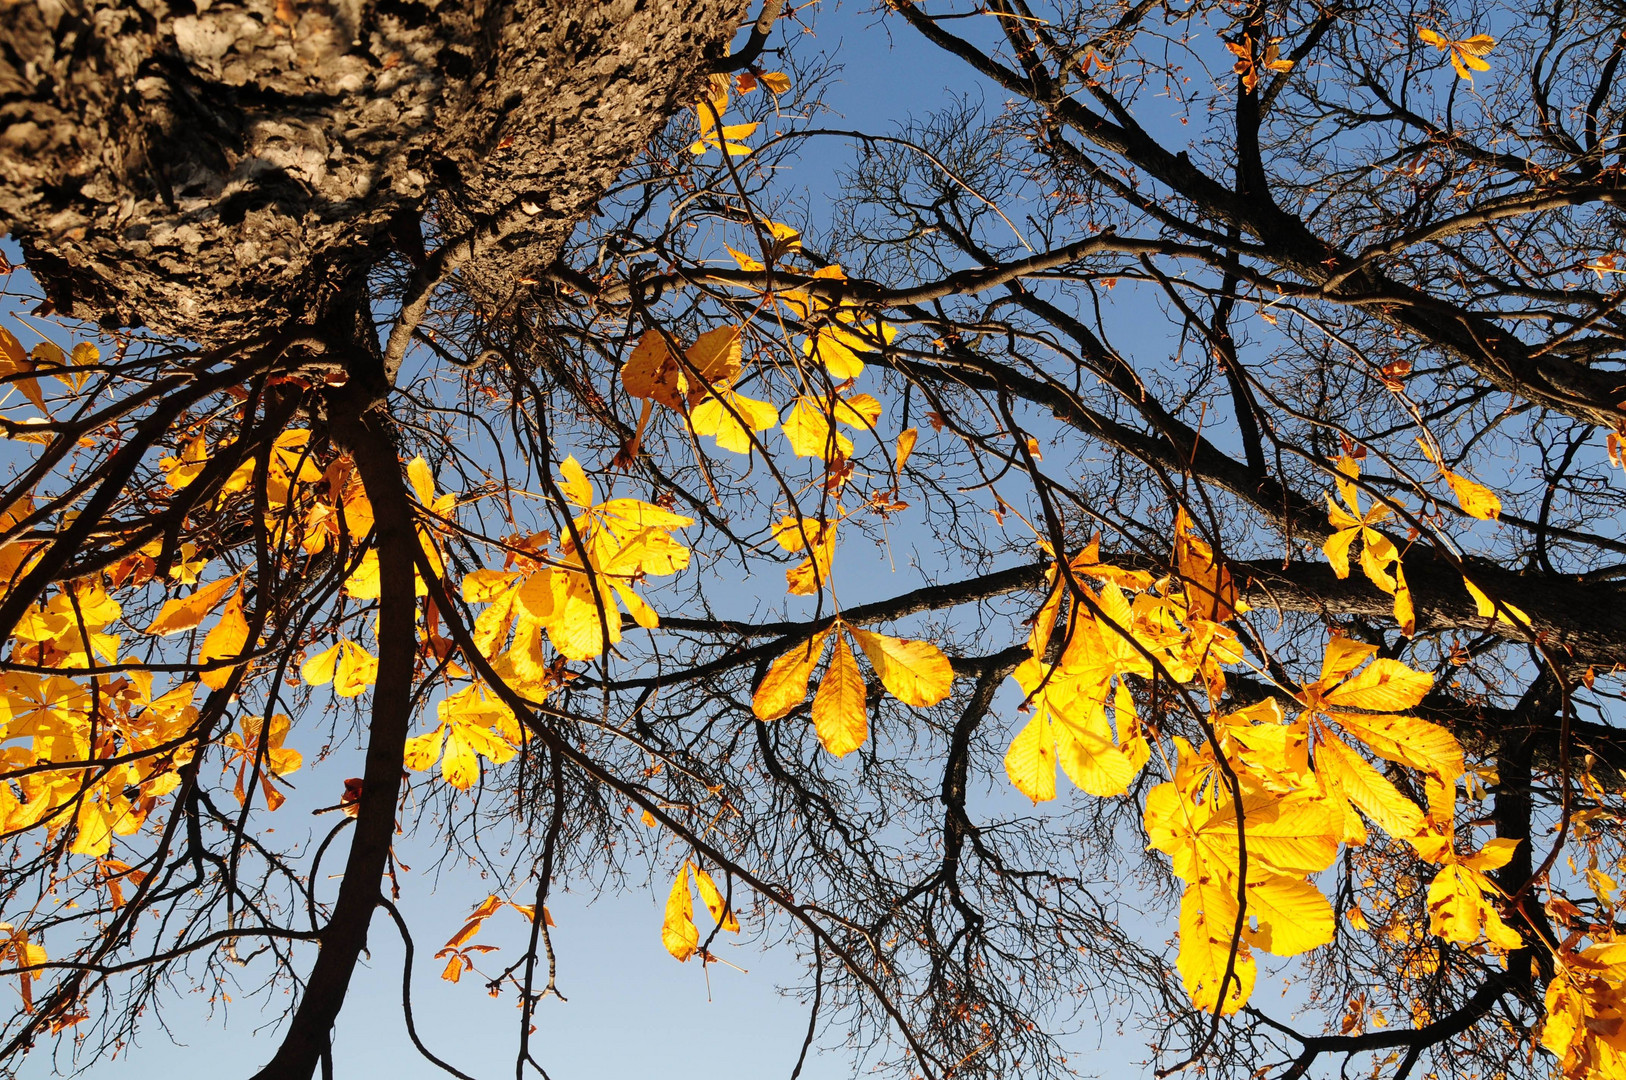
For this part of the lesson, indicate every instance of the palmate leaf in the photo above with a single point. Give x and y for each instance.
(1294, 834)
(1466, 54)
(1293, 915)
(1406, 740)
(1069, 728)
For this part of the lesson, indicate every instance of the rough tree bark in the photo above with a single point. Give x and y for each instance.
(210, 169)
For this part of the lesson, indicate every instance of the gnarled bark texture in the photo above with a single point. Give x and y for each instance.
(213, 168)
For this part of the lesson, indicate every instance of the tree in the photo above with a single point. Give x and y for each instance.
(1309, 584)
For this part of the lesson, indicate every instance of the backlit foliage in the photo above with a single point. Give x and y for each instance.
(791, 566)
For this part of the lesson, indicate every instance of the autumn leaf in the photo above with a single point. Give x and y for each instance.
(721, 913)
(915, 672)
(1459, 909)
(840, 717)
(1030, 760)
(785, 685)
(1069, 728)
(838, 343)
(1378, 552)
(356, 670)
(1466, 54)
(1349, 776)
(678, 931)
(729, 416)
(1293, 915)
(905, 447)
(1475, 498)
(714, 134)
(1210, 592)
(653, 373)
(1384, 685)
(1487, 608)
(319, 670)
(186, 612)
(1208, 917)
(811, 432)
(225, 641)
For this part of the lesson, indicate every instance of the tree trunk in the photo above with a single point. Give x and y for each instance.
(207, 169)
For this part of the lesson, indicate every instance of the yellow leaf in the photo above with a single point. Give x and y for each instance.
(811, 434)
(1367, 788)
(226, 640)
(721, 913)
(906, 446)
(1294, 834)
(181, 471)
(744, 261)
(1337, 550)
(1408, 740)
(319, 669)
(1465, 54)
(1405, 612)
(776, 81)
(423, 481)
(1210, 593)
(915, 672)
(831, 349)
(1475, 498)
(1031, 760)
(186, 612)
(678, 931)
(422, 751)
(484, 586)
(1207, 937)
(715, 357)
(1293, 915)
(574, 483)
(861, 411)
(356, 670)
(1457, 907)
(1343, 655)
(1377, 554)
(722, 416)
(364, 582)
(785, 685)
(839, 714)
(459, 766)
(653, 374)
(1494, 855)
(1384, 686)
(1085, 749)
(1487, 607)
(93, 832)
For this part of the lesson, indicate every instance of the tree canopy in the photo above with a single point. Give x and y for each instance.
(1152, 526)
